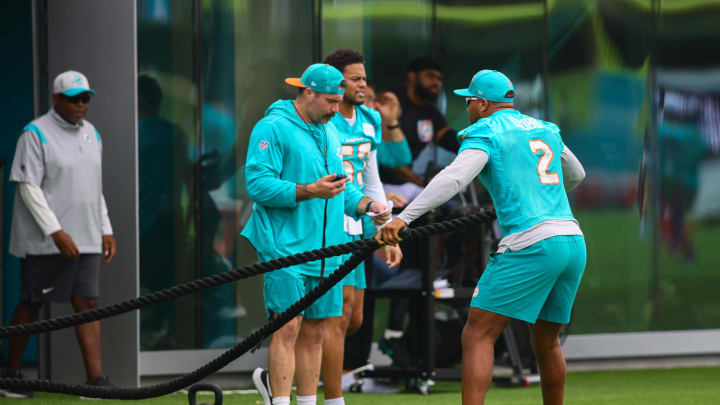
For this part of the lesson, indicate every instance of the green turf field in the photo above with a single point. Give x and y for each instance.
(635, 387)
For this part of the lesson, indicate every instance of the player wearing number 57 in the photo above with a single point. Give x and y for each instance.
(536, 271)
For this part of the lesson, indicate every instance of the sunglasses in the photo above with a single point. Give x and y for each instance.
(84, 97)
(469, 99)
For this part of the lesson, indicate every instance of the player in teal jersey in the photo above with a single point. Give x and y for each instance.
(536, 271)
(360, 131)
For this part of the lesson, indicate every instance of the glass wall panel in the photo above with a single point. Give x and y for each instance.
(500, 35)
(193, 201)
(167, 102)
(598, 61)
(248, 49)
(687, 200)
(645, 125)
(389, 33)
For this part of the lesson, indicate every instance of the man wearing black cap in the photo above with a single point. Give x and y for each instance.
(424, 127)
(421, 122)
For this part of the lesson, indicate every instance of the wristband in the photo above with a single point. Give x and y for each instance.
(393, 126)
(367, 207)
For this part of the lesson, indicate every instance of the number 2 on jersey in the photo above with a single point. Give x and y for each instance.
(536, 146)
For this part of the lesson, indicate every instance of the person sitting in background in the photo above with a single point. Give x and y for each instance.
(422, 124)
(60, 226)
(425, 129)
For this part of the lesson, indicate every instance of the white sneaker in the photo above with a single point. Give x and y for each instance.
(261, 380)
(347, 380)
(372, 385)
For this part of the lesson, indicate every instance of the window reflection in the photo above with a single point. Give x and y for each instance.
(598, 60)
(166, 139)
(193, 168)
(164, 181)
(688, 168)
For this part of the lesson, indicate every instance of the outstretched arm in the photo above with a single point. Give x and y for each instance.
(447, 183)
(468, 164)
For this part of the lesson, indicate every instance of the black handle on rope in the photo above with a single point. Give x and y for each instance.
(192, 393)
(213, 366)
(215, 280)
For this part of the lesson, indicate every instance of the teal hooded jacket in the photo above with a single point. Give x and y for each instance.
(285, 151)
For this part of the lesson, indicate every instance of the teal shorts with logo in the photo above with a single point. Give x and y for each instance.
(356, 278)
(282, 288)
(538, 282)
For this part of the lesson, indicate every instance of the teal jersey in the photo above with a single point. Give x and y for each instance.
(285, 151)
(524, 171)
(357, 141)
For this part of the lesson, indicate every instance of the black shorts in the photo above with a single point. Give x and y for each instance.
(53, 278)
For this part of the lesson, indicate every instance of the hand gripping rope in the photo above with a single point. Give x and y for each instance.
(360, 249)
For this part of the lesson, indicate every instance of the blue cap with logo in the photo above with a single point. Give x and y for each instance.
(321, 78)
(71, 83)
(490, 85)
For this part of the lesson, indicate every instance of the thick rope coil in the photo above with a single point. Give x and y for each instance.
(213, 366)
(361, 249)
(180, 290)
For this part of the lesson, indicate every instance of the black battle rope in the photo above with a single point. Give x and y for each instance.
(179, 290)
(215, 280)
(208, 369)
(364, 249)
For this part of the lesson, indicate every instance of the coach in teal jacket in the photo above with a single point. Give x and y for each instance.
(285, 152)
(293, 162)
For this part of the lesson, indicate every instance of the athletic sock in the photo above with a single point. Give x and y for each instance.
(307, 400)
(335, 401)
(281, 401)
(393, 334)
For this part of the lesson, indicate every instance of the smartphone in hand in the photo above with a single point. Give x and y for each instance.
(340, 176)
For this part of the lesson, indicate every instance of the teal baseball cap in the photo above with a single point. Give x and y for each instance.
(321, 78)
(490, 85)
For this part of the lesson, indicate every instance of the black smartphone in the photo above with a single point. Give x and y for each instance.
(340, 176)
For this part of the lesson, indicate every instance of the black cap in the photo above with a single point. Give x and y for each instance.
(422, 63)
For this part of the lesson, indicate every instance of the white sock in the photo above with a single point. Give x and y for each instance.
(281, 400)
(307, 400)
(335, 401)
(393, 334)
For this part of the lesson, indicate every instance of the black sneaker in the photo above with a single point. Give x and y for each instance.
(14, 393)
(102, 381)
(261, 380)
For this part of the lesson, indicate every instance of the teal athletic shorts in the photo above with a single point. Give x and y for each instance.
(538, 282)
(356, 278)
(282, 288)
